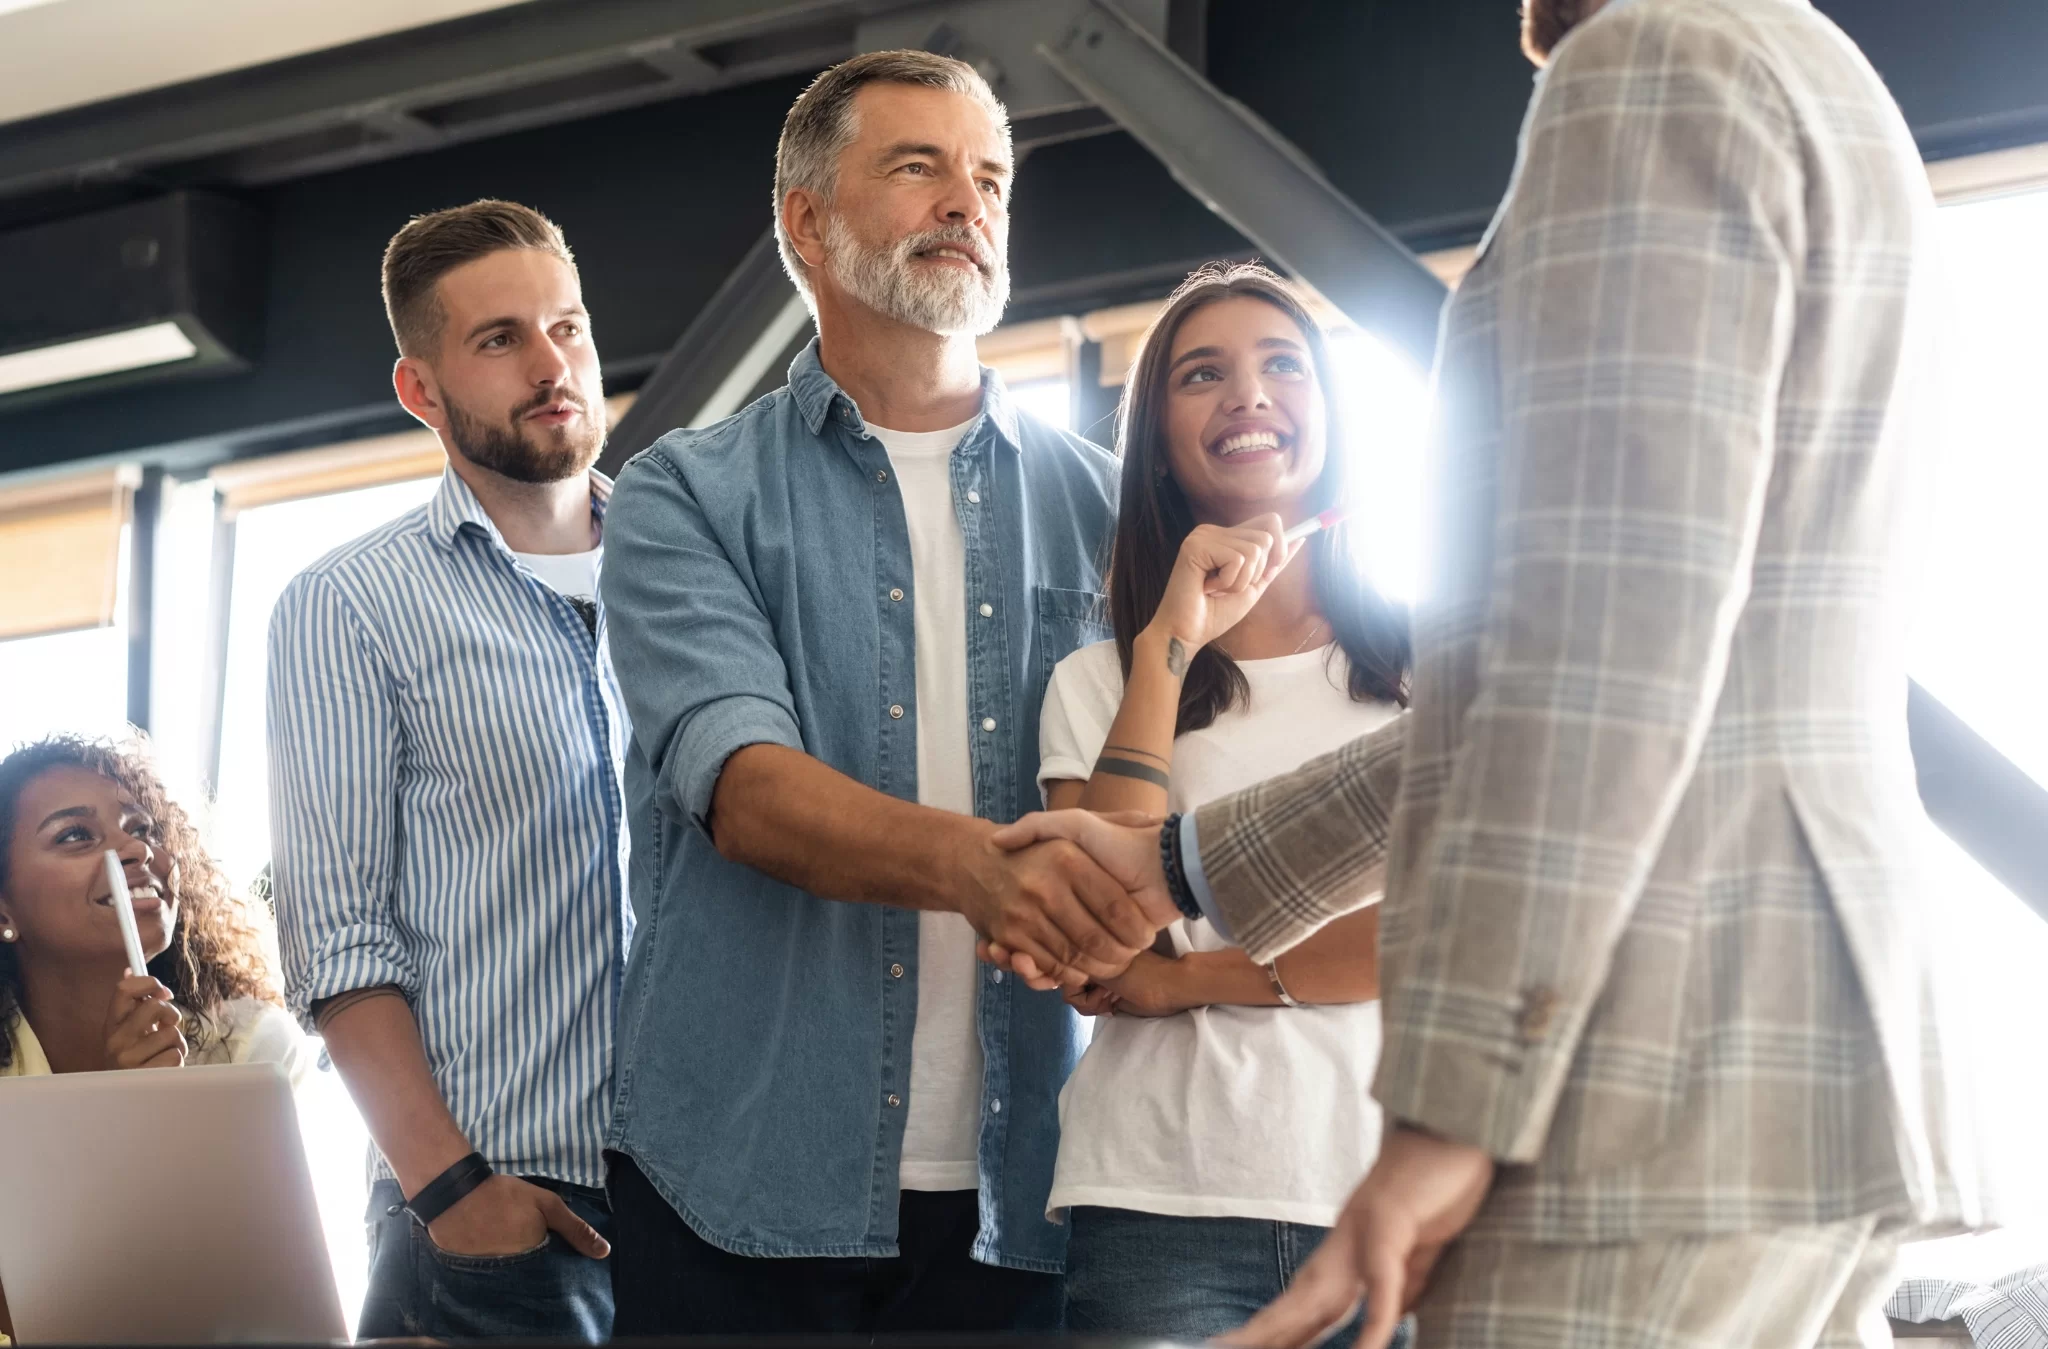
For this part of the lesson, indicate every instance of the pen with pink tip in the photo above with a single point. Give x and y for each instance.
(1316, 524)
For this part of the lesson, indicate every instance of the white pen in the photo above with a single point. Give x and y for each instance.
(124, 913)
(1316, 524)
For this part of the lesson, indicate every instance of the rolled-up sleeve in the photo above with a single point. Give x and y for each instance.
(334, 750)
(692, 643)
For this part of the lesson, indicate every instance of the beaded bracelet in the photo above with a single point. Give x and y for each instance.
(1177, 887)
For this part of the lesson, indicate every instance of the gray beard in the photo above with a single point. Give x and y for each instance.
(937, 300)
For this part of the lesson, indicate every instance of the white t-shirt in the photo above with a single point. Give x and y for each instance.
(942, 1131)
(1237, 1112)
(572, 575)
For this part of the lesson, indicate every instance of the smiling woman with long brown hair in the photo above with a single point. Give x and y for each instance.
(1223, 1111)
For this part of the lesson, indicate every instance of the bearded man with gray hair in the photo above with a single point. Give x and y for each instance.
(832, 617)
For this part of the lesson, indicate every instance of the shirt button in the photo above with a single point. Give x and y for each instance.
(881, 475)
(996, 975)
(988, 611)
(895, 971)
(896, 711)
(988, 723)
(894, 1100)
(974, 498)
(995, 1107)
(896, 595)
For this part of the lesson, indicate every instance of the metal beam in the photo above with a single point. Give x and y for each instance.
(1980, 798)
(442, 83)
(727, 350)
(145, 510)
(1252, 176)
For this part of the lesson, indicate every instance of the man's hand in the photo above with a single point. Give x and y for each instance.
(1061, 912)
(507, 1216)
(1125, 845)
(1421, 1193)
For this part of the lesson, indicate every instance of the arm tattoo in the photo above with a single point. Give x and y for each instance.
(1133, 749)
(1124, 768)
(1176, 657)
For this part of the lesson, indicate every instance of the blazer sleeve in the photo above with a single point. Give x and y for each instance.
(1285, 857)
(1647, 269)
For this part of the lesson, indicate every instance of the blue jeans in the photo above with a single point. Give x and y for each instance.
(417, 1289)
(1182, 1278)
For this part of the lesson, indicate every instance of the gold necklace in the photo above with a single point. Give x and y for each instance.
(1313, 630)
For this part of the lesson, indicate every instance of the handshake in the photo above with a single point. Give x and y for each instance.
(1069, 897)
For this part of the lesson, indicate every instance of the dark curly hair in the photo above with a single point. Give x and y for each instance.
(216, 953)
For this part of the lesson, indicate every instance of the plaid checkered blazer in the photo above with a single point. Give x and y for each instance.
(1654, 932)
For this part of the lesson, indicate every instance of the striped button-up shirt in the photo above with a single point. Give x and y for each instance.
(445, 750)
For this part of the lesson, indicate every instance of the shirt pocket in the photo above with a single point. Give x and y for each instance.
(1067, 621)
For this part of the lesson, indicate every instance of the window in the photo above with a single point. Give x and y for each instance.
(1049, 400)
(1978, 647)
(272, 545)
(1381, 401)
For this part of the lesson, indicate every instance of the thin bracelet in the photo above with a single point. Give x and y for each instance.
(449, 1188)
(1272, 969)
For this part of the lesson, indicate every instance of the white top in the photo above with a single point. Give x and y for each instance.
(252, 1031)
(1238, 1112)
(943, 1127)
(572, 575)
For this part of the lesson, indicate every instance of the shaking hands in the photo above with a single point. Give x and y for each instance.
(1096, 930)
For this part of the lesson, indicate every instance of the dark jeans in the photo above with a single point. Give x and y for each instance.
(1183, 1278)
(670, 1281)
(418, 1289)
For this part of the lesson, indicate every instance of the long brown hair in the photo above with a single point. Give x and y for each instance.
(1154, 516)
(216, 953)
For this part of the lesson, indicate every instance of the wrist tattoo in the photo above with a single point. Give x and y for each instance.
(1133, 749)
(1124, 768)
(1176, 657)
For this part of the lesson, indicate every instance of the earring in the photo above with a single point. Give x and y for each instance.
(6, 934)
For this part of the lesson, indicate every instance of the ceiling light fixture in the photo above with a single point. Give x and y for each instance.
(90, 357)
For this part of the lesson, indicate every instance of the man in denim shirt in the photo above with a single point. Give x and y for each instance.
(832, 617)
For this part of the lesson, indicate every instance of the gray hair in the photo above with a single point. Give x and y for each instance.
(821, 124)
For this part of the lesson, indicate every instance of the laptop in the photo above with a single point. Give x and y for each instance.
(161, 1206)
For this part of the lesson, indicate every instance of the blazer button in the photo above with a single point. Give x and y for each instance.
(896, 712)
(1539, 1005)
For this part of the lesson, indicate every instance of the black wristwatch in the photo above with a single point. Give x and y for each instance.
(1177, 888)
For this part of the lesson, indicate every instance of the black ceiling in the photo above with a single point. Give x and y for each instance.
(1410, 106)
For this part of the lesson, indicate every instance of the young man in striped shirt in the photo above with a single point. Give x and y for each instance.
(445, 748)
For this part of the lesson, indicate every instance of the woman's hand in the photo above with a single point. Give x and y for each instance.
(1152, 986)
(1090, 1000)
(142, 1026)
(1217, 579)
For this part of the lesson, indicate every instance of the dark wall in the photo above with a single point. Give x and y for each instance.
(1410, 106)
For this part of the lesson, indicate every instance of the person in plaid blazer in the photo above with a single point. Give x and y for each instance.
(1663, 1031)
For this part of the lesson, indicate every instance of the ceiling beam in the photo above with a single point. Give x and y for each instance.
(480, 75)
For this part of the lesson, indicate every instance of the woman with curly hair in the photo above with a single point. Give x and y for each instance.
(68, 1001)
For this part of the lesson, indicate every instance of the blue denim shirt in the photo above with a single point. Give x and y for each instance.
(756, 589)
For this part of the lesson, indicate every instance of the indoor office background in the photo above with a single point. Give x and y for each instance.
(150, 516)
